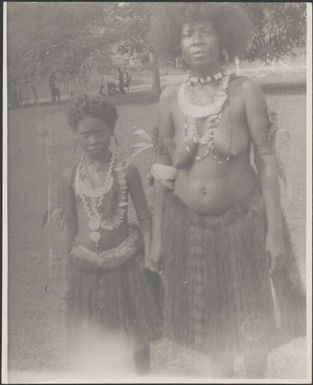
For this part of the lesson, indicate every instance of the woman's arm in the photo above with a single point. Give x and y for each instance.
(70, 215)
(165, 131)
(140, 203)
(266, 163)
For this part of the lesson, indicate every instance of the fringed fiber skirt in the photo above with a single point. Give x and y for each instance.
(219, 296)
(110, 291)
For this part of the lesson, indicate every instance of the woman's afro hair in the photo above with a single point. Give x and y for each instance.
(230, 20)
(91, 106)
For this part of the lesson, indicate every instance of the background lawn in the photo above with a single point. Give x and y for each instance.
(37, 315)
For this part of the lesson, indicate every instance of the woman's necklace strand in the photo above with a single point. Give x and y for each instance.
(212, 120)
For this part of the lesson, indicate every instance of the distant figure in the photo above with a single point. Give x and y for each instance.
(34, 89)
(179, 63)
(120, 79)
(20, 85)
(127, 80)
(54, 90)
(111, 86)
(14, 96)
(33, 83)
(103, 88)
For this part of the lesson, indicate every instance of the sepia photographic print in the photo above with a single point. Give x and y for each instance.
(157, 192)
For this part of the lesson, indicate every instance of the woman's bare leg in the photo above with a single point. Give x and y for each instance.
(255, 359)
(223, 365)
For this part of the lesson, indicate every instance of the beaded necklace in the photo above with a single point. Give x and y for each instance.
(209, 109)
(92, 198)
(108, 180)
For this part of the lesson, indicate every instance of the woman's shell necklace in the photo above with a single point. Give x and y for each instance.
(193, 108)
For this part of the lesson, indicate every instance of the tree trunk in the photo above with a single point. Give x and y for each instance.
(156, 85)
(273, 65)
(237, 61)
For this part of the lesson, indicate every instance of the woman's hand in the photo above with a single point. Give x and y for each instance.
(153, 260)
(276, 251)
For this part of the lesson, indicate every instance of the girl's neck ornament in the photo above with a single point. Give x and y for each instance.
(92, 199)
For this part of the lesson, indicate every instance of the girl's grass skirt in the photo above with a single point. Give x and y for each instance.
(110, 291)
(219, 296)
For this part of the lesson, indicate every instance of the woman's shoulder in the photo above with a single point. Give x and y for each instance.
(242, 85)
(169, 92)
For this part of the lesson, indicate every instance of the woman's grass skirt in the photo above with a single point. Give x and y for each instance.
(112, 296)
(219, 296)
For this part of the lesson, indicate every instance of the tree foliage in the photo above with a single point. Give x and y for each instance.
(46, 37)
(279, 29)
(75, 37)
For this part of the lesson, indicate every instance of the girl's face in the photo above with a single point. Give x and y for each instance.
(200, 45)
(94, 136)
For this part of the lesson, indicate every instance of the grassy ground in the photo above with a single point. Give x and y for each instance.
(292, 73)
(37, 313)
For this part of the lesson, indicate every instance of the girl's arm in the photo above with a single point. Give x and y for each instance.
(141, 207)
(265, 160)
(70, 216)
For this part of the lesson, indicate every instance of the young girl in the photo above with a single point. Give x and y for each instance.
(107, 284)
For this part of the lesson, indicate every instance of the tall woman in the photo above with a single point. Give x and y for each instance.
(231, 284)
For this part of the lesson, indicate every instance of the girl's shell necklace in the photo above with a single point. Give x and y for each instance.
(210, 109)
(92, 198)
(96, 191)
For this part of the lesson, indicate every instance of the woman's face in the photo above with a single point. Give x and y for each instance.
(200, 45)
(94, 136)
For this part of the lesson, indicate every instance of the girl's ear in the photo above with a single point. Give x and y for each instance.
(116, 143)
(77, 149)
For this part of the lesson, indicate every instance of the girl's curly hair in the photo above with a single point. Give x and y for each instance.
(91, 106)
(231, 22)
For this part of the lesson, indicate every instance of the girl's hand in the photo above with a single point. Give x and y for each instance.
(150, 178)
(152, 266)
(276, 252)
(153, 260)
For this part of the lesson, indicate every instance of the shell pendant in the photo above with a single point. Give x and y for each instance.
(95, 236)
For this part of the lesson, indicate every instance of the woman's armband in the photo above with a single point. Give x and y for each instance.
(267, 145)
(264, 149)
(165, 174)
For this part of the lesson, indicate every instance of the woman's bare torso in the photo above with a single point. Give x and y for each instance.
(207, 186)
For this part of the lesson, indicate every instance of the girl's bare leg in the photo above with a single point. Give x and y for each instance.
(223, 365)
(142, 359)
